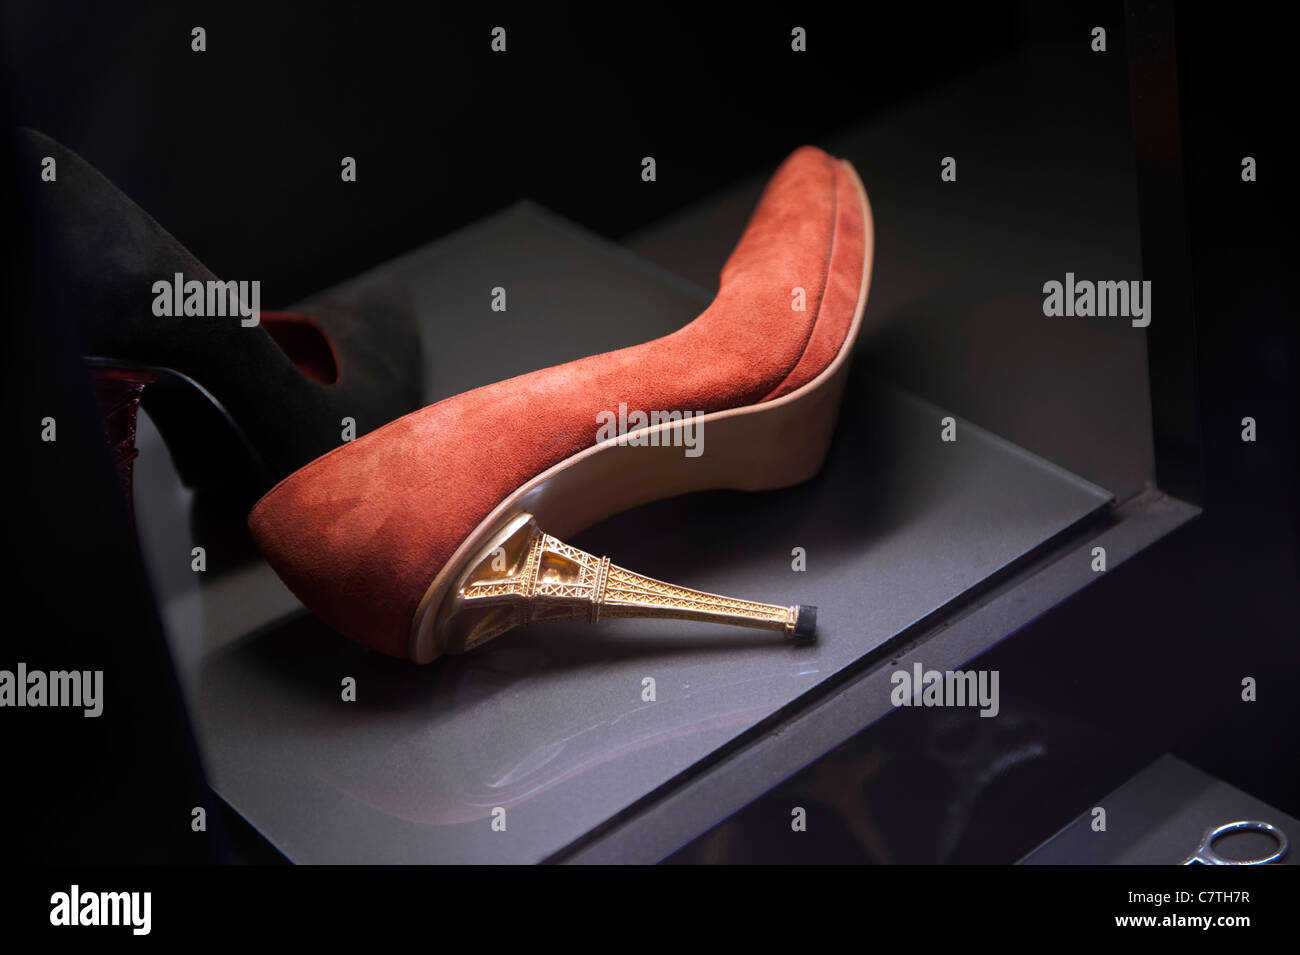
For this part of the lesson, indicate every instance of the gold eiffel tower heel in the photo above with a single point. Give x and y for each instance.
(525, 575)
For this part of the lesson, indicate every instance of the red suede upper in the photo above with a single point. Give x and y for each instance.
(359, 534)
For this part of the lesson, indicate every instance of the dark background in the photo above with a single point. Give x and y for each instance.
(236, 151)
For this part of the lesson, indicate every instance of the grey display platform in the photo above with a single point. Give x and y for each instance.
(549, 723)
(1160, 816)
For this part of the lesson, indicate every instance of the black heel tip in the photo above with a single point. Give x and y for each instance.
(805, 625)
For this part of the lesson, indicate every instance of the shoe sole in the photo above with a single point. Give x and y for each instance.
(758, 447)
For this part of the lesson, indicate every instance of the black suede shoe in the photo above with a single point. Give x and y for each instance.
(239, 394)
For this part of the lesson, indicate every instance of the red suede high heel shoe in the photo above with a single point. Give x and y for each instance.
(425, 536)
